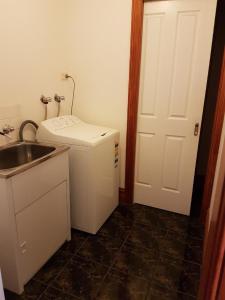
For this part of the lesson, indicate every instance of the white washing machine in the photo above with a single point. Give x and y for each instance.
(94, 168)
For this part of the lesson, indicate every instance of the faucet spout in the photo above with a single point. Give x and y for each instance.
(23, 125)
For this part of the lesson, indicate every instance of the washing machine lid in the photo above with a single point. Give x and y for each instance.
(70, 129)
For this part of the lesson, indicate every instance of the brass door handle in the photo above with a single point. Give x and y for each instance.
(196, 130)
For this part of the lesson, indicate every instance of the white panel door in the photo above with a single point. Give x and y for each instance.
(177, 39)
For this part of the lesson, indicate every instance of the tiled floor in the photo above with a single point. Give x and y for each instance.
(140, 253)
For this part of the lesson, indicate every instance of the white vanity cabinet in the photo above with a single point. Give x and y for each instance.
(34, 219)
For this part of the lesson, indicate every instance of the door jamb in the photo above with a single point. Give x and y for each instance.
(212, 282)
(215, 142)
(133, 95)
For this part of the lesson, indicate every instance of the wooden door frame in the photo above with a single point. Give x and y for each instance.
(212, 283)
(133, 95)
(215, 142)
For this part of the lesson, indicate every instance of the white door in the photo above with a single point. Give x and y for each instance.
(177, 39)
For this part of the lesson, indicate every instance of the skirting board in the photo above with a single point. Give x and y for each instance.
(122, 195)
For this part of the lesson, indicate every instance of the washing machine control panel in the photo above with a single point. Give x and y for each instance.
(62, 122)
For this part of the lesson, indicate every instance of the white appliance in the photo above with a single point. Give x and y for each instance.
(94, 168)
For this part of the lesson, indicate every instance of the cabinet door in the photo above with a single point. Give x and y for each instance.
(42, 227)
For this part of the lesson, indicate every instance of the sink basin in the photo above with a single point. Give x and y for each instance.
(20, 154)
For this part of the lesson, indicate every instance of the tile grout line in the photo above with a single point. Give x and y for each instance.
(82, 244)
(113, 261)
(49, 285)
(170, 257)
(60, 272)
(65, 293)
(174, 289)
(101, 263)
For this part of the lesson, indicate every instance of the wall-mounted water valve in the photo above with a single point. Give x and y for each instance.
(6, 130)
(45, 100)
(58, 98)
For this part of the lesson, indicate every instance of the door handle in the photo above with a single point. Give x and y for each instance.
(23, 244)
(196, 130)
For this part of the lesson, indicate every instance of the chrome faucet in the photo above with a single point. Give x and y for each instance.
(6, 130)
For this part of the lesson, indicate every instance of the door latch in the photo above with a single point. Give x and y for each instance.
(196, 131)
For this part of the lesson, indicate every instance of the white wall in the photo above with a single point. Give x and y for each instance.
(90, 39)
(99, 38)
(32, 57)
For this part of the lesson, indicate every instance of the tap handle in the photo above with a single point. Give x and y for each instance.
(45, 100)
(58, 98)
(7, 129)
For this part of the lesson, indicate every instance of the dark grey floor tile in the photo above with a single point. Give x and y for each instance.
(189, 279)
(113, 227)
(170, 221)
(173, 246)
(124, 215)
(195, 229)
(167, 273)
(53, 267)
(53, 294)
(145, 215)
(32, 291)
(194, 251)
(77, 239)
(101, 249)
(142, 235)
(118, 286)
(179, 247)
(160, 293)
(177, 275)
(136, 213)
(161, 219)
(137, 261)
(80, 278)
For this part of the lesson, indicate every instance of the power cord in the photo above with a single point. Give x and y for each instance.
(74, 86)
